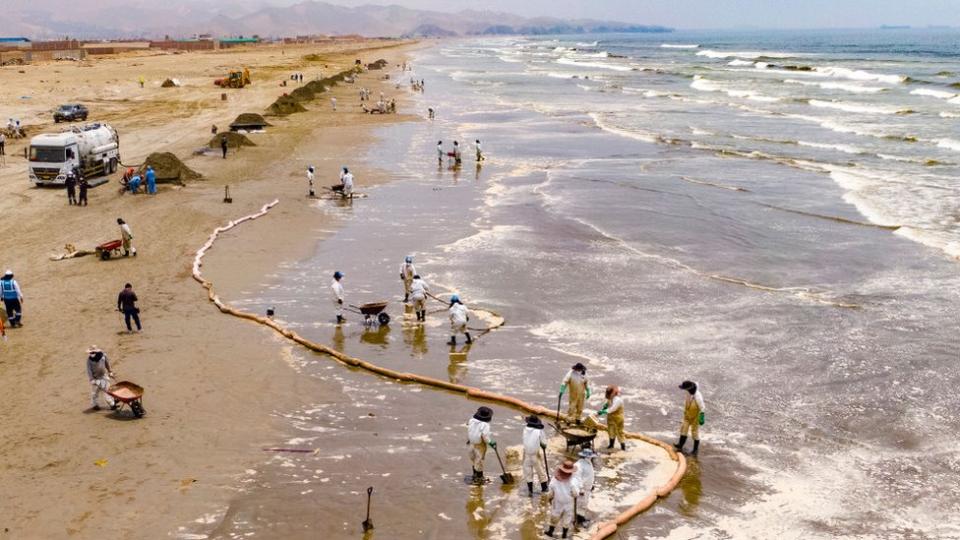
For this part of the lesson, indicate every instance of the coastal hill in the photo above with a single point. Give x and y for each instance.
(87, 19)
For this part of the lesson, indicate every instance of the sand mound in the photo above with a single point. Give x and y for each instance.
(249, 121)
(317, 87)
(170, 83)
(285, 105)
(304, 93)
(169, 168)
(379, 64)
(234, 140)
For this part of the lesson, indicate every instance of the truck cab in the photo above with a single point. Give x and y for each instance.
(93, 149)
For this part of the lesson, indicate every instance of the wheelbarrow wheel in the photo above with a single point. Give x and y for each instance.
(383, 319)
(137, 409)
(104, 255)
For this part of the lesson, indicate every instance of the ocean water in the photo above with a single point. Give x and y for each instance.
(775, 215)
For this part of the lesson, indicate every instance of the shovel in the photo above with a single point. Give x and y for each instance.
(575, 518)
(367, 523)
(546, 466)
(559, 399)
(506, 477)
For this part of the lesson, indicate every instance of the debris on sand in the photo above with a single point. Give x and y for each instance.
(170, 83)
(169, 169)
(285, 105)
(249, 122)
(379, 64)
(234, 140)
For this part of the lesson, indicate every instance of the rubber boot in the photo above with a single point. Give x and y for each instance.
(549, 531)
(530, 488)
(544, 486)
(478, 477)
(680, 443)
(469, 341)
(696, 447)
(340, 319)
(453, 341)
(406, 298)
(610, 445)
(623, 445)
(565, 531)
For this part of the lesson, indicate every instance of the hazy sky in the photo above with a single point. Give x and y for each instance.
(716, 13)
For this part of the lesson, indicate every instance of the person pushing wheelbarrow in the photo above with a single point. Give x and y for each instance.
(99, 375)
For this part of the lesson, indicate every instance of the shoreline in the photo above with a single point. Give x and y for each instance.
(604, 529)
(197, 370)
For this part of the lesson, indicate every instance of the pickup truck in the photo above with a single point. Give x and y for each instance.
(70, 113)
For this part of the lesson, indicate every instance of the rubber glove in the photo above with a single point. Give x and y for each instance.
(702, 419)
(563, 388)
(493, 444)
(603, 411)
(588, 392)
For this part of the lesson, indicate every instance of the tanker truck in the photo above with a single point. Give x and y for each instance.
(93, 148)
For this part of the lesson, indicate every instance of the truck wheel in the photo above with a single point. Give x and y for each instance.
(113, 165)
(104, 255)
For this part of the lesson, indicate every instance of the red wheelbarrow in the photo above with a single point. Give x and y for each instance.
(129, 394)
(113, 248)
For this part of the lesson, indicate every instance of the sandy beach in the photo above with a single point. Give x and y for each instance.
(211, 390)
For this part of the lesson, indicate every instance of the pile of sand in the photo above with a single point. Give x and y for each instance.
(170, 83)
(285, 105)
(234, 140)
(169, 169)
(317, 87)
(249, 121)
(304, 93)
(379, 64)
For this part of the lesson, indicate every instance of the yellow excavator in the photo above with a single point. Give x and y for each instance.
(234, 79)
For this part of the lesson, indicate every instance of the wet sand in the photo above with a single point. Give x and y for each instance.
(404, 440)
(211, 390)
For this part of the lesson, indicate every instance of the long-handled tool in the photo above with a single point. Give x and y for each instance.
(546, 466)
(575, 517)
(559, 398)
(506, 477)
(367, 523)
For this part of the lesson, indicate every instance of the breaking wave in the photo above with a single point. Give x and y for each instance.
(854, 88)
(859, 108)
(706, 85)
(744, 54)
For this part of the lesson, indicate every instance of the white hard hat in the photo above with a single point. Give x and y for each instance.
(8, 273)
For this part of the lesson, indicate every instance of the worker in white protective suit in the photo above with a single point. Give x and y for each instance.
(99, 375)
(337, 289)
(534, 446)
(310, 177)
(459, 316)
(418, 294)
(576, 381)
(563, 492)
(346, 179)
(478, 438)
(694, 416)
(584, 477)
(407, 271)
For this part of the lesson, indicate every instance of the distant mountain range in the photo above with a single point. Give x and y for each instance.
(96, 19)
